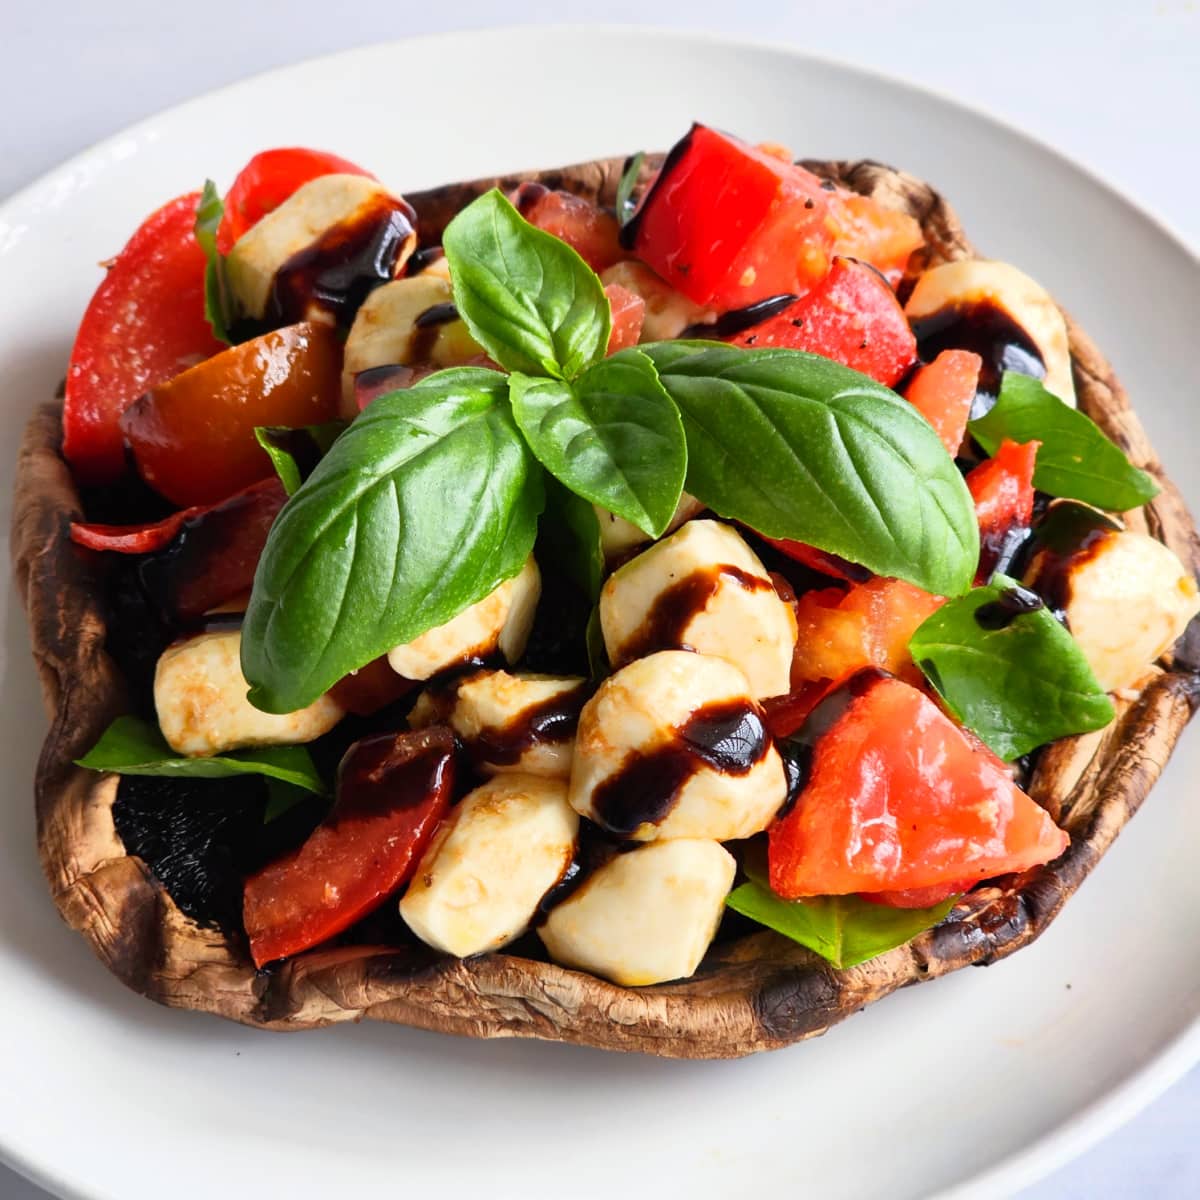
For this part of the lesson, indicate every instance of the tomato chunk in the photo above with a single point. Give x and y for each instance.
(1002, 488)
(898, 797)
(628, 313)
(590, 231)
(728, 225)
(370, 688)
(269, 179)
(864, 229)
(392, 791)
(193, 437)
(820, 560)
(943, 392)
(919, 897)
(144, 324)
(868, 625)
(851, 316)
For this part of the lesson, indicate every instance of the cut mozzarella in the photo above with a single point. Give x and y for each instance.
(644, 917)
(200, 698)
(674, 746)
(668, 312)
(496, 855)
(958, 285)
(618, 536)
(704, 589)
(509, 722)
(500, 621)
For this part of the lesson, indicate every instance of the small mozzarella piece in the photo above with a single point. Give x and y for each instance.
(644, 917)
(509, 722)
(653, 712)
(1022, 299)
(1126, 598)
(386, 330)
(668, 312)
(618, 536)
(704, 589)
(200, 698)
(500, 621)
(302, 219)
(496, 855)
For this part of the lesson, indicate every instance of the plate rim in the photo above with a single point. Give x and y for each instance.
(1087, 1126)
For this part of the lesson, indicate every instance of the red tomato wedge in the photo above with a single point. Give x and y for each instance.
(131, 539)
(144, 324)
(628, 313)
(851, 316)
(1002, 488)
(943, 392)
(728, 225)
(269, 179)
(392, 791)
(370, 688)
(898, 797)
(820, 560)
(919, 897)
(866, 230)
(590, 231)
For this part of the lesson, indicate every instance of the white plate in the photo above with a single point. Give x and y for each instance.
(989, 1076)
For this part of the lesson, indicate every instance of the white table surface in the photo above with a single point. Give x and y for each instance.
(1114, 85)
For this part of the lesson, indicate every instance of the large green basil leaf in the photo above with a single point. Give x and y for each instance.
(427, 503)
(1018, 679)
(612, 436)
(218, 301)
(569, 531)
(1075, 460)
(843, 929)
(797, 446)
(528, 299)
(130, 746)
(295, 452)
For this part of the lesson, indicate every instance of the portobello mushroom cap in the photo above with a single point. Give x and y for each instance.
(758, 992)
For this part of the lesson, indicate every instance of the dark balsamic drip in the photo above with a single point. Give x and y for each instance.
(344, 265)
(797, 749)
(421, 259)
(986, 329)
(438, 314)
(1070, 535)
(675, 607)
(593, 850)
(737, 320)
(727, 736)
(555, 719)
(527, 194)
(391, 771)
(1012, 603)
(1005, 554)
(629, 231)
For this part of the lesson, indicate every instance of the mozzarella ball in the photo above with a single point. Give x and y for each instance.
(668, 312)
(704, 589)
(1126, 598)
(500, 621)
(618, 536)
(674, 746)
(1024, 301)
(312, 211)
(200, 698)
(493, 859)
(644, 917)
(393, 325)
(509, 722)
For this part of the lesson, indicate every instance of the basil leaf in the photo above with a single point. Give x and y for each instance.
(1075, 461)
(218, 301)
(281, 798)
(570, 531)
(843, 929)
(425, 505)
(624, 204)
(130, 746)
(1017, 686)
(613, 436)
(528, 299)
(295, 452)
(796, 446)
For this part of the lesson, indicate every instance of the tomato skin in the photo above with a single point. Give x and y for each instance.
(852, 316)
(628, 313)
(727, 224)
(1002, 488)
(144, 324)
(131, 539)
(365, 691)
(392, 792)
(590, 231)
(918, 897)
(820, 560)
(192, 438)
(865, 230)
(897, 798)
(269, 179)
(943, 392)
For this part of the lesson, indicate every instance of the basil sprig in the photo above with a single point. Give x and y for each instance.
(1075, 460)
(1018, 679)
(218, 300)
(294, 453)
(426, 504)
(130, 746)
(569, 531)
